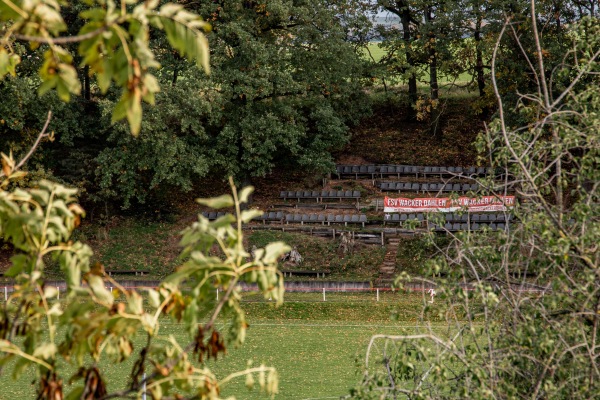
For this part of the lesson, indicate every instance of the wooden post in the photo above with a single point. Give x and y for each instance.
(377, 294)
(324, 294)
(144, 387)
(382, 239)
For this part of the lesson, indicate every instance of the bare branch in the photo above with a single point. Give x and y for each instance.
(64, 39)
(41, 135)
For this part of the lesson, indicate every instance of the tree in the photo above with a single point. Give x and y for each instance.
(405, 51)
(113, 44)
(529, 325)
(424, 47)
(285, 87)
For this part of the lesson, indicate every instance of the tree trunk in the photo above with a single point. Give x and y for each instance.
(86, 83)
(556, 10)
(433, 79)
(412, 80)
(175, 74)
(479, 57)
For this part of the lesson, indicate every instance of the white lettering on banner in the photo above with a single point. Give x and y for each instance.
(445, 204)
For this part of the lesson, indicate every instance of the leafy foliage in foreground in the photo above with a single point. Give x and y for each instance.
(113, 45)
(38, 223)
(531, 295)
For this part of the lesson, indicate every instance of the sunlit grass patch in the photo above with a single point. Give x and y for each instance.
(317, 346)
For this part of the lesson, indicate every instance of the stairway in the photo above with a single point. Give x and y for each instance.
(387, 270)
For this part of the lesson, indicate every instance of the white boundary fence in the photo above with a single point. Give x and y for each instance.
(323, 287)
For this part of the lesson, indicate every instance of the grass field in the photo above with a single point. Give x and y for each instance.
(314, 345)
(376, 53)
(140, 245)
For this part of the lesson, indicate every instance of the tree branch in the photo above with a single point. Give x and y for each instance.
(41, 135)
(64, 39)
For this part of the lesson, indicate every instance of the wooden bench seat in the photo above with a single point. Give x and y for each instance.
(136, 272)
(318, 274)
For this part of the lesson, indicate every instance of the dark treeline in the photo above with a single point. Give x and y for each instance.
(287, 83)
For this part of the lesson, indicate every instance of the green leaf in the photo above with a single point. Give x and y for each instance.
(120, 110)
(151, 83)
(223, 201)
(170, 9)
(97, 287)
(46, 86)
(8, 63)
(135, 304)
(183, 33)
(222, 221)
(50, 292)
(274, 250)
(245, 193)
(63, 91)
(249, 381)
(134, 112)
(7, 13)
(45, 351)
(95, 14)
(153, 298)
(249, 215)
(104, 77)
(19, 262)
(75, 394)
(52, 20)
(20, 366)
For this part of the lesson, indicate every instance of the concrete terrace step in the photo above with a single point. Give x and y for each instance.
(387, 268)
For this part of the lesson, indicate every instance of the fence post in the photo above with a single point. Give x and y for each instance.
(324, 295)
(5, 293)
(144, 387)
(382, 239)
(377, 294)
(217, 294)
(58, 294)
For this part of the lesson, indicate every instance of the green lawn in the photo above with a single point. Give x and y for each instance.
(134, 244)
(313, 344)
(376, 53)
(314, 360)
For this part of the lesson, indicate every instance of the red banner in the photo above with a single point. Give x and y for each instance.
(446, 204)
